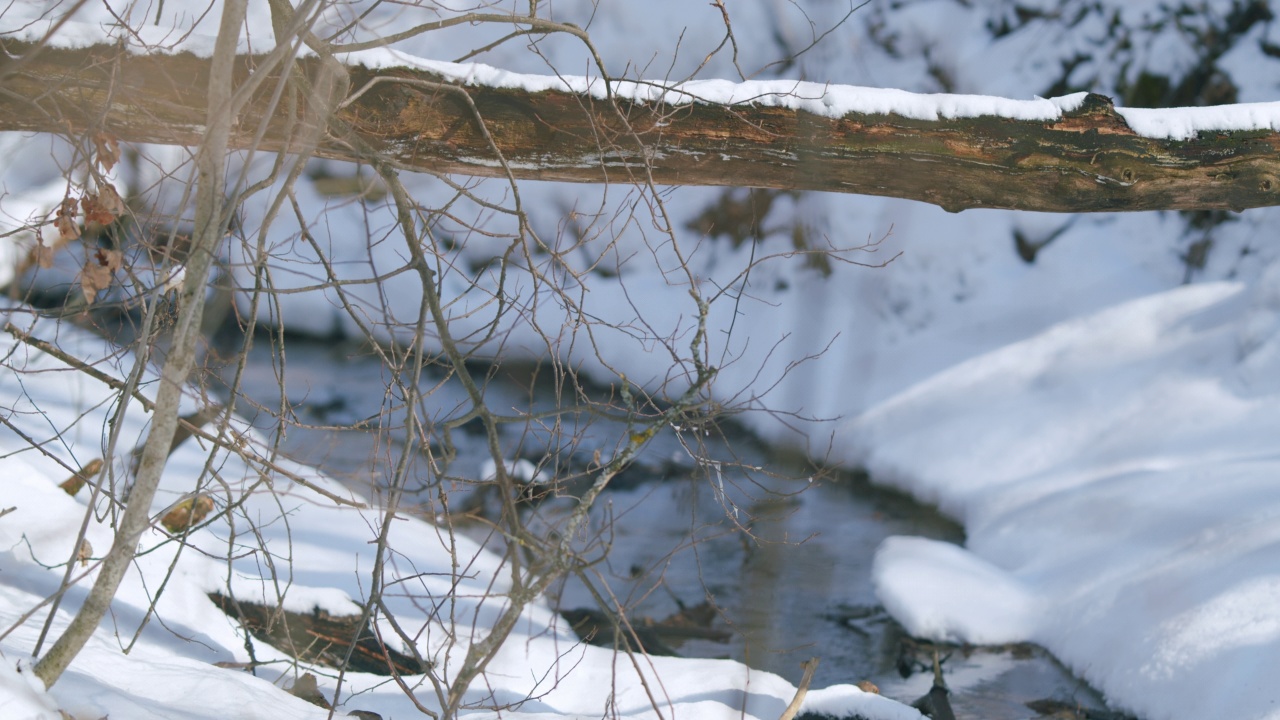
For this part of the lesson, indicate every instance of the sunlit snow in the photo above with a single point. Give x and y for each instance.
(1105, 432)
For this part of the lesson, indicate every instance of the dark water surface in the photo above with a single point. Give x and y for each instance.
(782, 560)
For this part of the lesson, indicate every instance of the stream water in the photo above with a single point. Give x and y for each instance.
(781, 558)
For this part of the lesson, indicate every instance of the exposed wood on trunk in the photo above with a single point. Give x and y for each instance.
(1087, 161)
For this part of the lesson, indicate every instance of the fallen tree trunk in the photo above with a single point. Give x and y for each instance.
(1085, 161)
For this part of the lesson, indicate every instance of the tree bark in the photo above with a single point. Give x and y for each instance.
(210, 226)
(1087, 161)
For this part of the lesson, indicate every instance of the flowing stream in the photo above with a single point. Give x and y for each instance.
(777, 560)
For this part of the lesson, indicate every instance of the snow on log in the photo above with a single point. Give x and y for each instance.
(1076, 154)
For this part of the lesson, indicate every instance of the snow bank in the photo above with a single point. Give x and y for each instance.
(1118, 470)
(940, 591)
(22, 695)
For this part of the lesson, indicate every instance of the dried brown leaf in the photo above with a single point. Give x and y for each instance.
(111, 199)
(102, 207)
(94, 278)
(93, 212)
(106, 151)
(43, 256)
(187, 514)
(308, 689)
(42, 253)
(73, 484)
(65, 220)
(85, 553)
(109, 259)
(98, 272)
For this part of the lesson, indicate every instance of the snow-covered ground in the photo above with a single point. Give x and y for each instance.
(290, 545)
(1104, 431)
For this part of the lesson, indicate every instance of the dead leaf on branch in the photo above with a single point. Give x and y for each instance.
(111, 199)
(102, 207)
(84, 553)
(43, 255)
(106, 151)
(94, 212)
(98, 272)
(65, 220)
(43, 251)
(109, 259)
(187, 514)
(93, 278)
(73, 484)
